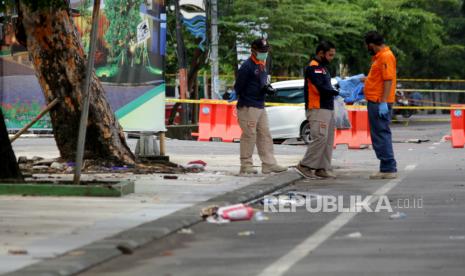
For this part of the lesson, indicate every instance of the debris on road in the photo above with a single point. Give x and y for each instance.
(76, 253)
(57, 166)
(355, 235)
(209, 211)
(260, 216)
(217, 220)
(17, 251)
(186, 231)
(22, 159)
(246, 233)
(196, 166)
(398, 215)
(39, 167)
(218, 215)
(167, 253)
(126, 248)
(170, 177)
(412, 141)
(236, 212)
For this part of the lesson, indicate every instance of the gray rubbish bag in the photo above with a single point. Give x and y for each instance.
(341, 115)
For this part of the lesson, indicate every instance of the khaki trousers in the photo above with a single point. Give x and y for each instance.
(255, 131)
(320, 149)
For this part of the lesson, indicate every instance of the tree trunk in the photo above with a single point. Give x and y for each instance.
(59, 60)
(9, 169)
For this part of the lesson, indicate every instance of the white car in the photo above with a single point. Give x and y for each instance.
(289, 121)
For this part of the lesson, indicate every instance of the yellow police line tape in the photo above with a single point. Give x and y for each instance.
(350, 107)
(299, 78)
(400, 79)
(432, 90)
(429, 80)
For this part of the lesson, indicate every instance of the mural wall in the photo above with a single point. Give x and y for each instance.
(129, 62)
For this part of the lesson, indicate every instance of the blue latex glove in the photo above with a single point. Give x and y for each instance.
(233, 97)
(383, 110)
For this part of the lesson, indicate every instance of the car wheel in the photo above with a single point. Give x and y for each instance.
(305, 133)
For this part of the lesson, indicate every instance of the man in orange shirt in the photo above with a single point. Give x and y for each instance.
(380, 86)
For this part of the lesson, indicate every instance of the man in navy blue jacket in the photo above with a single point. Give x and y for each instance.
(251, 86)
(319, 106)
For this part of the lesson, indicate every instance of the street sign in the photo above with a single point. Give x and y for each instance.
(143, 32)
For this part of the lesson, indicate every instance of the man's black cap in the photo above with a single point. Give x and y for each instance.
(260, 45)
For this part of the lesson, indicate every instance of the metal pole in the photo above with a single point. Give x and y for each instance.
(214, 54)
(86, 95)
(205, 86)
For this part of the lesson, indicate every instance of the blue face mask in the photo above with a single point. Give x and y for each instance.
(262, 56)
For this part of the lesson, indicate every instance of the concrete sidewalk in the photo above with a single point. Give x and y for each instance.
(41, 228)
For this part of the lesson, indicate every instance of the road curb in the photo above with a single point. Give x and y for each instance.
(88, 256)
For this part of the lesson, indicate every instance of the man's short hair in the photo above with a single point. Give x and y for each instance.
(374, 37)
(324, 46)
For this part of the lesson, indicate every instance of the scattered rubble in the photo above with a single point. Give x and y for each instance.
(398, 215)
(246, 233)
(355, 235)
(196, 166)
(39, 165)
(209, 211)
(260, 216)
(412, 141)
(18, 251)
(57, 166)
(186, 231)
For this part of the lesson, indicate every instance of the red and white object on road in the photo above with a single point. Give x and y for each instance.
(236, 212)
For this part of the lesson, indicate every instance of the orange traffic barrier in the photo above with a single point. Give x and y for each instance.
(233, 130)
(457, 123)
(358, 135)
(218, 121)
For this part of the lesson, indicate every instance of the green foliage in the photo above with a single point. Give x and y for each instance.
(124, 17)
(448, 62)
(424, 34)
(6, 5)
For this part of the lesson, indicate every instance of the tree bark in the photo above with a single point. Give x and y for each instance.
(9, 170)
(59, 60)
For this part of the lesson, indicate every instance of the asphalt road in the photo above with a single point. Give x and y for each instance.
(427, 239)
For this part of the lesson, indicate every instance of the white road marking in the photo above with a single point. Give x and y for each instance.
(283, 264)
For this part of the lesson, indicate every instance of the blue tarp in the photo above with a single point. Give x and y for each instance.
(351, 88)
